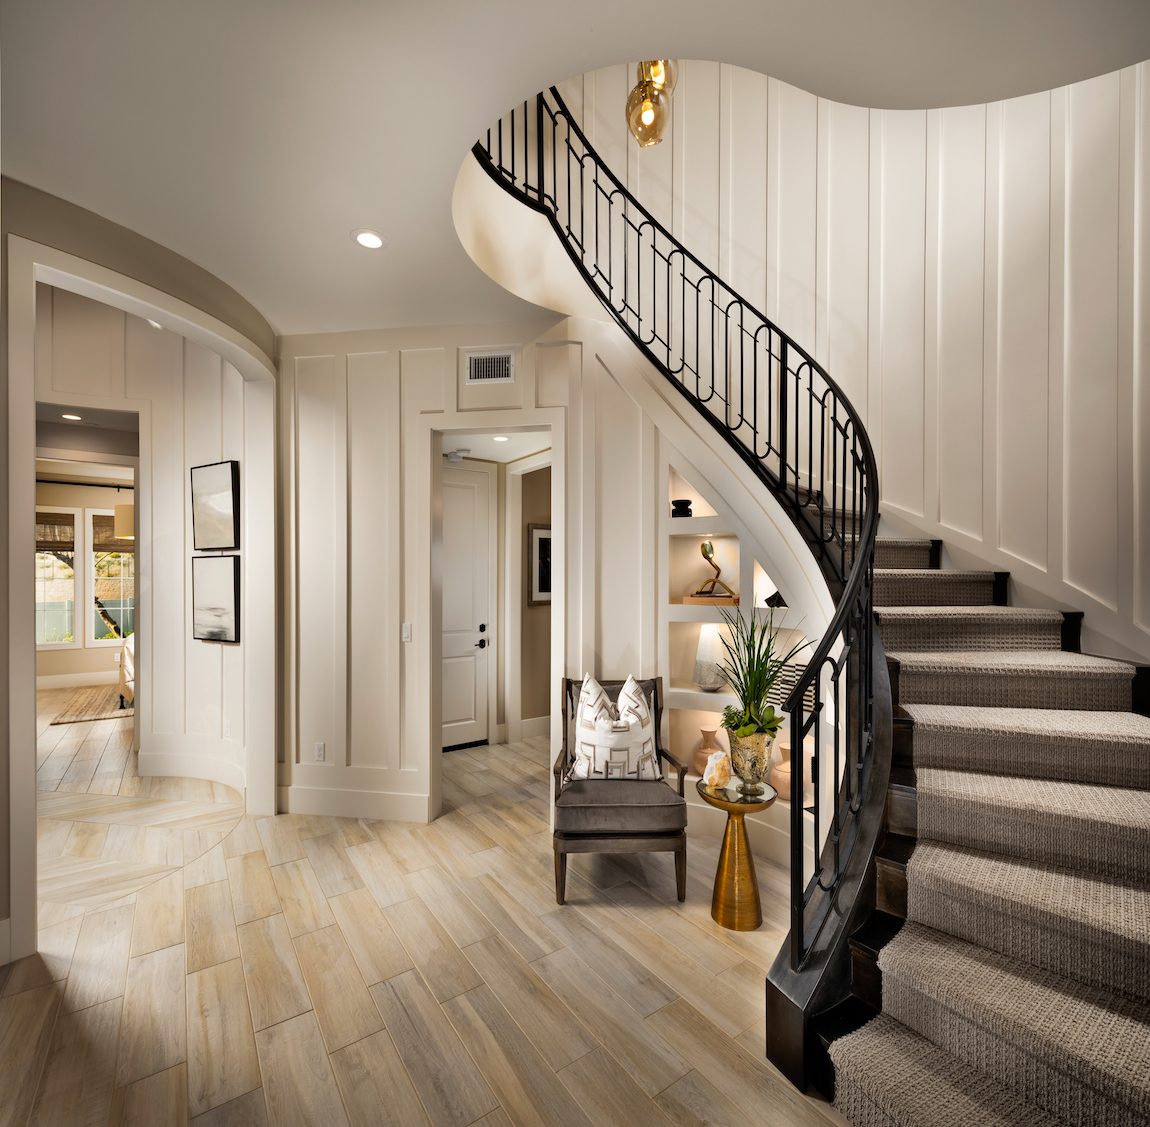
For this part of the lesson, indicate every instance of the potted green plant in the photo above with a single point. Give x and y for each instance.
(753, 665)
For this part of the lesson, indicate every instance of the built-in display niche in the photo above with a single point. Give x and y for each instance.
(698, 575)
(683, 498)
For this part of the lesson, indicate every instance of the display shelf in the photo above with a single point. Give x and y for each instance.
(703, 528)
(686, 694)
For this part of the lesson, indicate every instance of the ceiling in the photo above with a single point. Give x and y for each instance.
(89, 417)
(484, 448)
(254, 137)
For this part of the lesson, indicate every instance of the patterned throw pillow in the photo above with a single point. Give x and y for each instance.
(614, 742)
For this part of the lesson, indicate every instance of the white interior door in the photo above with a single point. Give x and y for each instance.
(467, 618)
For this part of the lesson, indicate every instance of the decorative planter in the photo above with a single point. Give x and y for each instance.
(750, 759)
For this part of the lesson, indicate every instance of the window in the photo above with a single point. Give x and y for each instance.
(56, 579)
(112, 582)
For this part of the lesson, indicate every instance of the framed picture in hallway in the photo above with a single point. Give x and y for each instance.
(216, 506)
(216, 598)
(539, 564)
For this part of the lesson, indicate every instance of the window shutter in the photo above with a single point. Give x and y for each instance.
(55, 532)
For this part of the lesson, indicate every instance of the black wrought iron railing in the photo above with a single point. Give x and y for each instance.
(779, 410)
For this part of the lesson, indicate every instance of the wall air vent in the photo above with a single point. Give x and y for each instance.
(490, 367)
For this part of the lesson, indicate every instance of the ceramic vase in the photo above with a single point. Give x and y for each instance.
(780, 776)
(705, 750)
(751, 759)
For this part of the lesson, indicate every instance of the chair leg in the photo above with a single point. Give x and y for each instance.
(560, 877)
(681, 872)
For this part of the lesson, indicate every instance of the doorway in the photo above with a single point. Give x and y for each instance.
(470, 566)
(486, 560)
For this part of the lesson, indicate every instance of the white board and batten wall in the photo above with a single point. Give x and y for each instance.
(193, 716)
(976, 280)
(360, 417)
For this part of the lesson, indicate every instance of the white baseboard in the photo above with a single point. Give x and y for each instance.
(76, 680)
(194, 757)
(5, 942)
(536, 726)
(385, 806)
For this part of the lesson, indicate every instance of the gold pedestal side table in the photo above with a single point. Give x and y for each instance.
(735, 903)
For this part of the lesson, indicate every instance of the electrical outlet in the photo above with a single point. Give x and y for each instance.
(405, 632)
(320, 752)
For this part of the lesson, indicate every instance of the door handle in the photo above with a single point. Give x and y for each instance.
(481, 644)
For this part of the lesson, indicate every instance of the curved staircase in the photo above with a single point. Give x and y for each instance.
(1001, 972)
(1008, 959)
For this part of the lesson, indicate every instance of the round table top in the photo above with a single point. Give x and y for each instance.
(735, 801)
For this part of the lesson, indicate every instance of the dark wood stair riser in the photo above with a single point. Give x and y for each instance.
(902, 751)
(890, 875)
(1140, 690)
(1072, 631)
(902, 809)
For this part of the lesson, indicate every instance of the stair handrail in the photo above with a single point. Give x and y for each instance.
(801, 416)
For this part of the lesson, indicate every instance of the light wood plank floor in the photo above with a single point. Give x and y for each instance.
(103, 831)
(315, 970)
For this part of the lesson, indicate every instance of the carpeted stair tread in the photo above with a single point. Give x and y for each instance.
(920, 628)
(1014, 679)
(1081, 1053)
(888, 1076)
(1072, 924)
(1079, 826)
(1112, 748)
(901, 553)
(931, 587)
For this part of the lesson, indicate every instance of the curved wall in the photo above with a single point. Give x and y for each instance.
(54, 222)
(37, 226)
(976, 278)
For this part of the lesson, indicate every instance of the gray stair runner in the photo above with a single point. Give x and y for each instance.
(1070, 923)
(924, 587)
(1079, 1052)
(891, 552)
(888, 1076)
(1111, 748)
(1014, 679)
(1018, 992)
(969, 628)
(1080, 826)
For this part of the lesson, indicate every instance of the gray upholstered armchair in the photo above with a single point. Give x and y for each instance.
(618, 815)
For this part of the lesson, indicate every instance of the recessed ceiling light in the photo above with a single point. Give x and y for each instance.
(373, 240)
(154, 324)
(72, 418)
(500, 438)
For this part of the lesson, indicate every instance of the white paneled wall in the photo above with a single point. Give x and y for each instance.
(975, 278)
(193, 716)
(361, 416)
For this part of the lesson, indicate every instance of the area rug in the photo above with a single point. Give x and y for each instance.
(94, 702)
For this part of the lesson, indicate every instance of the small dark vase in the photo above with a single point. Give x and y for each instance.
(681, 508)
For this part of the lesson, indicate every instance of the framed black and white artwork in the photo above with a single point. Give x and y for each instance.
(216, 506)
(539, 579)
(216, 598)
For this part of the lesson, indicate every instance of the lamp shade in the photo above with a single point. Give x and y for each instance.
(648, 109)
(708, 674)
(124, 522)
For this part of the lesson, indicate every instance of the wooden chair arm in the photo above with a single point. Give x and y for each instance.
(680, 769)
(559, 767)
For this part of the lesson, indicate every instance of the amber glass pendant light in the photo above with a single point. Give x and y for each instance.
(649, 103)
